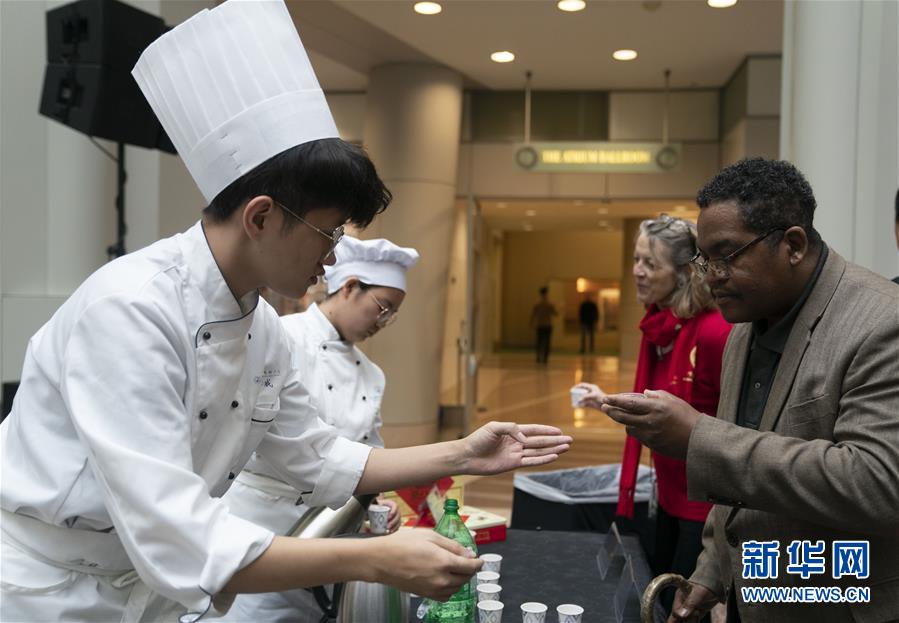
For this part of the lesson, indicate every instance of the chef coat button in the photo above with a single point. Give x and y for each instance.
(330, 387)
(365, 438)
(758, 385)
(731, 538)
(249, 336)
(363, 398)
(358, 362)
(206, 335)
(234, 404)
(230, 475)
(203, 414)
(324, 347)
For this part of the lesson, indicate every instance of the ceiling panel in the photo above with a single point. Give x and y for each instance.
(701, 45)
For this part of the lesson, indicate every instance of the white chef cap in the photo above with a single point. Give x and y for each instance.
(233, 86)
(376, 262)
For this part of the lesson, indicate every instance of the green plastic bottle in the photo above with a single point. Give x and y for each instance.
(461, 607)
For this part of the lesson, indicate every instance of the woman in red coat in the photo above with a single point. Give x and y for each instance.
(683, 341)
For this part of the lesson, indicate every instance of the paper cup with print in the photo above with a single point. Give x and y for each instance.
(533, 612)
(490, 611)
(377, 518)
(489, 592)
(577, 394)
(492, 562)
(488, 577)
(570, 613)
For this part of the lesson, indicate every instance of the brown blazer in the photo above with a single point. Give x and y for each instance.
(824, 464)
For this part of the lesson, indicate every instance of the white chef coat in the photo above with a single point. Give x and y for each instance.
(140, 400)
(346, 388)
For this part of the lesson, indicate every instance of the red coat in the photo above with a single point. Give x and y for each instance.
(692, 371)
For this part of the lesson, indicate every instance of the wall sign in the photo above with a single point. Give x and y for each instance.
(603, 157)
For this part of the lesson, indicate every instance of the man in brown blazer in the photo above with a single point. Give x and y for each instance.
(805, 448)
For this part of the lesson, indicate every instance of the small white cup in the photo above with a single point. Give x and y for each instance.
(489, 592)
(577, 394)
(569, 613)
(490, 611)
(488, 577)
(533, 612)
(492, 562)
(377, 518)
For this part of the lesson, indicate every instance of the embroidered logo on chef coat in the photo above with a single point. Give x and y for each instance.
(265, 379)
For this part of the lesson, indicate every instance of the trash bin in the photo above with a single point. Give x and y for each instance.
(582, 498)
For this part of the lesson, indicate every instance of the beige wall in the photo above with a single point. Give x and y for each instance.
(533, 259)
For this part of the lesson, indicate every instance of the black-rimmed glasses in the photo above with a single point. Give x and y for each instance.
(721, 266)
(334, 236)
(386, 315)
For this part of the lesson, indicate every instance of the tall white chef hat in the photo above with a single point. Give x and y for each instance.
(233, 86)
(376, 262)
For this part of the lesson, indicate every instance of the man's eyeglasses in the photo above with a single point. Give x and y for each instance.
(386, 316)
(334, 236)
(721, 266)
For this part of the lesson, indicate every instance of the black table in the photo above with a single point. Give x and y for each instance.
(560, 567)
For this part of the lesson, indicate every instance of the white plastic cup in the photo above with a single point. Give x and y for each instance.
(488, 577)
(377, 518)
(570, 613)
(492, 562)
(577, 394)
(490, 611)
(489, 592)
(533, 612)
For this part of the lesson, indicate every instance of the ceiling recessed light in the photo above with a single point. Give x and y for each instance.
(721, 4)
(571, 5)
(578, 202)
(603, 223)
(527, 227)
(502, 57)
(427, 8)
(602, 210)
(501, 204)
(624, 55)
(530, 212)
(680, 208)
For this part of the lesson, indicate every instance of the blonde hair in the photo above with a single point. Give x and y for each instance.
(691, 295)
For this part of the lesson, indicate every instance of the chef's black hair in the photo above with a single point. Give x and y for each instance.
(326, 173)
(362, 286)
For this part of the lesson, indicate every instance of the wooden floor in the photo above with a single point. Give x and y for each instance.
(514, 388)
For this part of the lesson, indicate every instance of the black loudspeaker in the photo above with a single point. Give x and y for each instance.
(92, 46)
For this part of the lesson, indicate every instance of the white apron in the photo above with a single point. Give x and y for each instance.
(346, 388)
(140, 400)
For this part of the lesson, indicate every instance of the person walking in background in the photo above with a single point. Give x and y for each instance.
(588, 314)
(542, 320)
(683, 341)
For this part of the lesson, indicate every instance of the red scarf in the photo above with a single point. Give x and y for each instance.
(661, 329)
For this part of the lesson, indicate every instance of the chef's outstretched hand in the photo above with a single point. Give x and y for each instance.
(499, 447)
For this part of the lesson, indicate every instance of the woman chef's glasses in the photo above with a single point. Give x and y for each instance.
(334, 236)
(386, 316)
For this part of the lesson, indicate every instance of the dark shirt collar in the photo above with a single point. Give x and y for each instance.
(775, 338)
